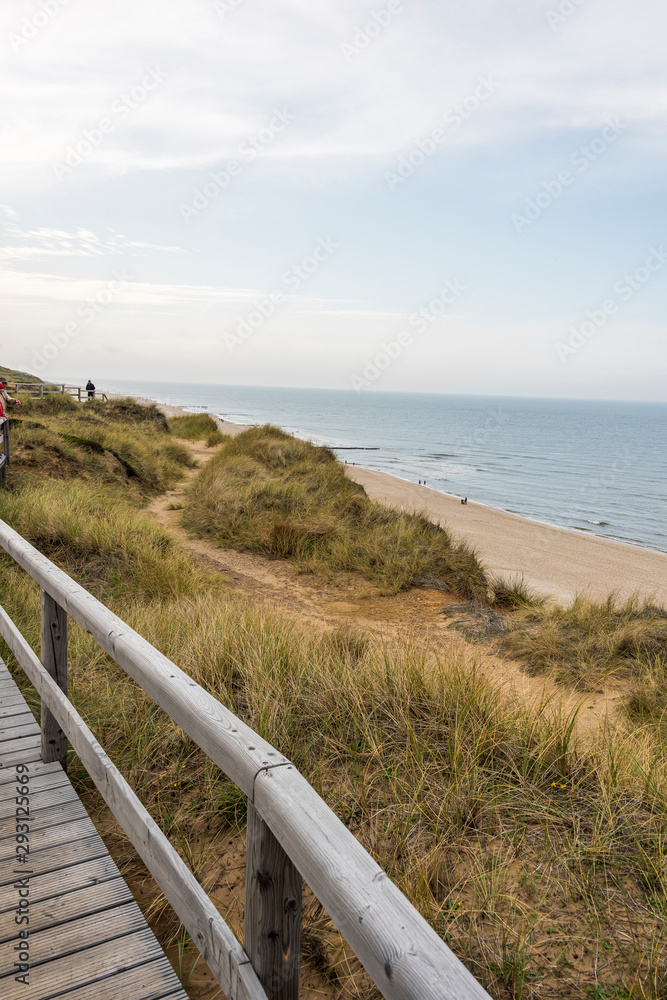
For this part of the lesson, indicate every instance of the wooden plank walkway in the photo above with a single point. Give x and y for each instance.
(88, 940)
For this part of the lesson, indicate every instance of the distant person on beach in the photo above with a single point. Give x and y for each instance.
(90, 389)
(5, 399)
(465, 500)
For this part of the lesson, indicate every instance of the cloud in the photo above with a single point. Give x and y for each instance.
(225, 75)
(43, 243)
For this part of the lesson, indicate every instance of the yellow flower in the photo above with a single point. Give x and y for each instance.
(176, 784)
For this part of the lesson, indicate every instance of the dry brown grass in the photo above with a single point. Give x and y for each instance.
(540, 858)
(589, 641)
(268, 492)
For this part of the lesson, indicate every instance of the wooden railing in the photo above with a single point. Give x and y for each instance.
(50, 388)
(291, 832)
(4, 442)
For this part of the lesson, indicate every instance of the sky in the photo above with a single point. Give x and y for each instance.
(384, 195)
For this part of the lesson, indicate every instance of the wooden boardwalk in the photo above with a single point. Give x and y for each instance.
(88, 940)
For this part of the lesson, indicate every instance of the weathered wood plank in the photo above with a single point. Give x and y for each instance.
(54, 661)
(24, 743)
(272, 932)
(8, 774)
(8, 687)
(218, 945)
(16, 721)
(38, 782)
(64, 833)
(16, 733)
(152, 981)
(48, 913)
(77, 935)
(9, 706)
(53, 978)
(52, 885)
(56, 857)
(27, 756)
(38, 800)
(45, 818)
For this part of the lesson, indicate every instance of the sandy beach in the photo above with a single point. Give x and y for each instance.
(554, 561)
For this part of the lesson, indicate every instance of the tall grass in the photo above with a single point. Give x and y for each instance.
(271, 493)
(116, 441)
(195, 427)
(530, 852)
(540, 858)
(590, 640)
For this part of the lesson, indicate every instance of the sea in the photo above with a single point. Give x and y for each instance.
(586, 465)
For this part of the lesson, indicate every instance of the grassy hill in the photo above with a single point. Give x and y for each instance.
(12, 375)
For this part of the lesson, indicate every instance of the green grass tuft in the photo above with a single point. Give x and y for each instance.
(268, 492)
(194, 426)
(514, 593)
(589, 640)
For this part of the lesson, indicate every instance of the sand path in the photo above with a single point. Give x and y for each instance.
(413, 618)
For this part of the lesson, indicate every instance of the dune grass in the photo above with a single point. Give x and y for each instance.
(541, 860)
(13, 375)
(538, 856)
(196, 427)
(117, 441)
(268, 492)
(590, 640)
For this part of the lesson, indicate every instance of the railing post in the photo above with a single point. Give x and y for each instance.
(54, 659)
(79, 393)
(273, 895)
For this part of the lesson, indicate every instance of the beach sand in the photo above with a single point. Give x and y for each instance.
(552, 560)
